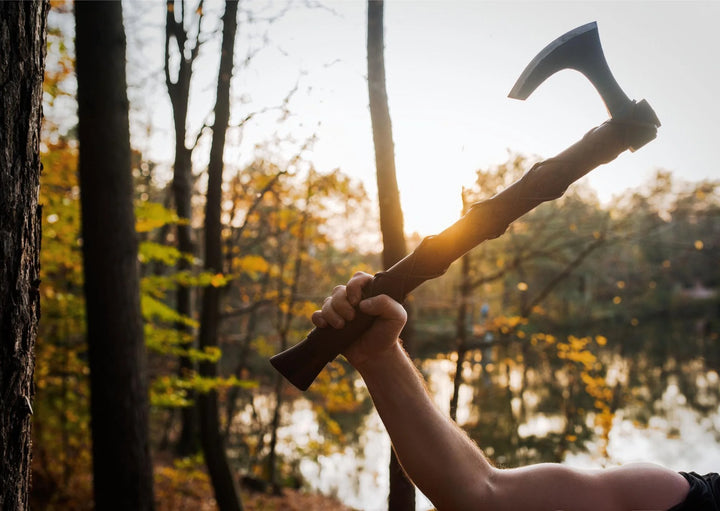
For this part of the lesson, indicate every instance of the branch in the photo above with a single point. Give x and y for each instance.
(238, 231)
(247, 309)
(562, 275)
(206, 125)
(258, 199)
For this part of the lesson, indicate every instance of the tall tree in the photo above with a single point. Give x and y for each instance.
(122, 468)
(402, 491)
(22, 63)
(224, 484)
(186, 51)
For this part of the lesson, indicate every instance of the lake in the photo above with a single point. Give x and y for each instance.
(661, 388)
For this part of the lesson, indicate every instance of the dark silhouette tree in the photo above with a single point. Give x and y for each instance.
(22, 64)
(122, 468)
(224, 484)
(402, 491)
(186, 50)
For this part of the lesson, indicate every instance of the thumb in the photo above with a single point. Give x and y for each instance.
(383, 306)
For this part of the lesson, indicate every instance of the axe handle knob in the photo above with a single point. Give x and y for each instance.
(301, 363)
(641, 125)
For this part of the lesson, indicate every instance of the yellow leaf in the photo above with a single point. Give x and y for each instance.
(252, 264)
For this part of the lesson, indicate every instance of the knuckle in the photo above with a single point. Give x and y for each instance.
(327, 305)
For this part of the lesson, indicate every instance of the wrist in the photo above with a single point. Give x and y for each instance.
(381, 362)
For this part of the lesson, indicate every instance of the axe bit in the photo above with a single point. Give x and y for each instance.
(580, 49)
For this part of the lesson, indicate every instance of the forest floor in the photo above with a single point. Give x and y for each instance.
(292, 500)
(188, 488)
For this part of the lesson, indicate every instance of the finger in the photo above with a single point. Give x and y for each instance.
(355, 286)
(384, 307)
(341, 303)
(318, 319)
(331, 315)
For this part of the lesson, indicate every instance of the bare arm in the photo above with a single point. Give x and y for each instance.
(445, 464)
(440, 459)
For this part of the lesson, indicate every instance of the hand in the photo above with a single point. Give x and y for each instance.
(382, 335)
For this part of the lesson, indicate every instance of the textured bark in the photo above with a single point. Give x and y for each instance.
(402, 491)
(122, 469)
(221, 476)
(22, 64)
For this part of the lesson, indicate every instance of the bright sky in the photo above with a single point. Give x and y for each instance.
(450, 65)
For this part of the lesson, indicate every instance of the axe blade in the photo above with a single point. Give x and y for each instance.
(578, 49)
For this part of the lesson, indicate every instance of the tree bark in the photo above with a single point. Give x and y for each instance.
(22, 64)
(122, 468)
(224, 483)
(402, 491)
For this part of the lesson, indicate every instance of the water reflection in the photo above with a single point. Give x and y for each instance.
(655, 397)
(682, 439)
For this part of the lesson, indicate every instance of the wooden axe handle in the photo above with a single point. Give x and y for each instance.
(487, 219)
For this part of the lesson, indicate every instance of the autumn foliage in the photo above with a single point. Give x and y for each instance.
(562, 317)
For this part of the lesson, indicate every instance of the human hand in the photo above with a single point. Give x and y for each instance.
(339, 308)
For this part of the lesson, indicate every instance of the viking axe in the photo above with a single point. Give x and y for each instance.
(632, 125)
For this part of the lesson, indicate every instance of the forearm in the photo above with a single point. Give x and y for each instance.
(437, 455)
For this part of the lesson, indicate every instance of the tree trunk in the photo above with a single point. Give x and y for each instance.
(179, 92)
(402, 491)
(122, 468)
(461, 322)
(391, 215)
(227, 494)
(461, 329)
(22, 64)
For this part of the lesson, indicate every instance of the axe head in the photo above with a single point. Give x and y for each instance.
(578, 49)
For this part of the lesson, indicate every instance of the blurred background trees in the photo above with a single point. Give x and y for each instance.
(582, 314)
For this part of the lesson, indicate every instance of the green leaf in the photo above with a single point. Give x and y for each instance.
(152, 215)
(153, 309)
(151, 251)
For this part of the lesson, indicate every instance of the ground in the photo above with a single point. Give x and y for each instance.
(292, 500)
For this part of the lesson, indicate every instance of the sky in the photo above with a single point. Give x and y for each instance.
(450, 65)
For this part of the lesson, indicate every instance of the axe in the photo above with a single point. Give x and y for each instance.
(632, 125)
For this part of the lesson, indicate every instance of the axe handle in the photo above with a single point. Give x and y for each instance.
(487, 219)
